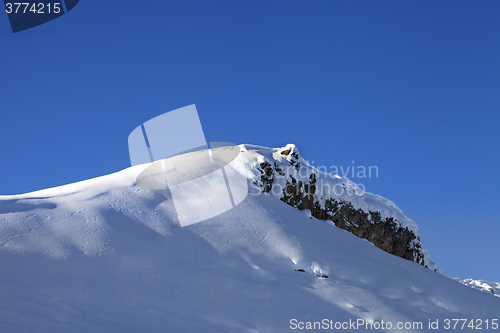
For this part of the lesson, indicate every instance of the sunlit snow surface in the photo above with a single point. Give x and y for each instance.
(106, 256)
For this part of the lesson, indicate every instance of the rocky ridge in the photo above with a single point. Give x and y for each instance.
(285, 174)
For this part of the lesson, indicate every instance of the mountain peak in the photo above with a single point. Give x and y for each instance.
(105, 255)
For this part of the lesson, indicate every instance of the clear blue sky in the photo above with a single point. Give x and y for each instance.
(412, 87)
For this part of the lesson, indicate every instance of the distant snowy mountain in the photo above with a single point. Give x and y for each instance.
(103, 255)
(486, 286)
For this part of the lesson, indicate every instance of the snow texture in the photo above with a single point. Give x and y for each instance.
(103, 255)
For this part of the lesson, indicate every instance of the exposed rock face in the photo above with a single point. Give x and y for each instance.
(385, 233)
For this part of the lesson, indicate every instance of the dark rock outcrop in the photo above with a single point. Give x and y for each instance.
(385, 233)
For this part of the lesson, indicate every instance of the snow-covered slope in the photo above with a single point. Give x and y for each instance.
(103, 255)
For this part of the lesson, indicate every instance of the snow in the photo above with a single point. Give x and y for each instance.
(486, 286)
(104, 255)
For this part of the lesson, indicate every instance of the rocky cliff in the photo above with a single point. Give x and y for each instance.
(284, 173)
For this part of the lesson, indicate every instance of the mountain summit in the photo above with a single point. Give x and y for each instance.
(104, 255)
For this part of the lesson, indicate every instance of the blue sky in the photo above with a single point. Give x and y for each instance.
(410, 87)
